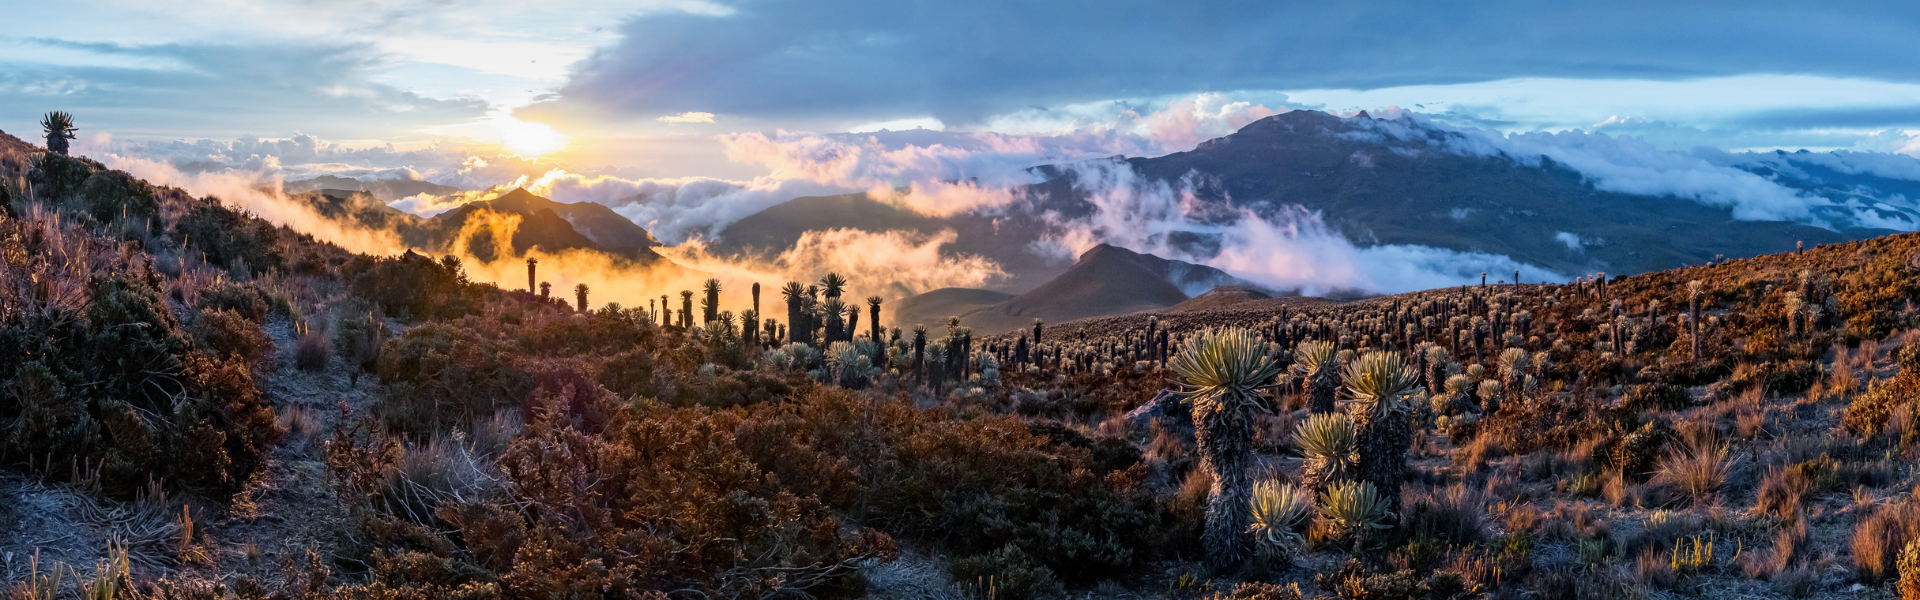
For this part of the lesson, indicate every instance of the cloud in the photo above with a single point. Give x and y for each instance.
(866, 60)
(888, 264)
(241, 189)
(1288, 249)
(223, 89)
(1630, 165)
(688, 117)
(1572, 240)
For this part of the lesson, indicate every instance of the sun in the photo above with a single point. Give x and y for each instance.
(527, 138)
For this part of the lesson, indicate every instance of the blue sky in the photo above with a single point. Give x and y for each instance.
(639, 88)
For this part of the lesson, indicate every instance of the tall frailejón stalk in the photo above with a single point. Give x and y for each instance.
(1226, 374)
(1379, 392)
(1316, 364)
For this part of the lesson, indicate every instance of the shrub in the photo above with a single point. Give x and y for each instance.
(412, 286)
(1637, 452)
(1004, 573)
(1910, 571)
(247, 300)
(1657, 396)
(112, 195)
(607, 502)
(227, 334)
(978, 483)
(360, 332)
(1792, 378)
(101, 373)
(442, 375)
(1870, 410)
(227, 237)
(1255, 590)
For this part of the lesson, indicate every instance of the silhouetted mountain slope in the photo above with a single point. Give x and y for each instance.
(1107, 280)
(543, 223)
(933, 308)
(596, 222)
(1005, 239)
(385, 189)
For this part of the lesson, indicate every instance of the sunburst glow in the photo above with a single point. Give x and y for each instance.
(527, 138)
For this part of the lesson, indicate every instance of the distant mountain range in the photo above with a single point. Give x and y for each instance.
(544, 224)
(1107, 280)
(1410, 187)
(387, 190)
(1373, 189)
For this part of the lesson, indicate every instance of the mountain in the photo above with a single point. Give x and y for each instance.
(545, 224)
(1006, 239)
(1375, 182)
(606, 228)
(1407, 186)
(1107, 280)
(385, 189)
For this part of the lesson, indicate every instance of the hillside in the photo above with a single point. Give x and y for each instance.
(1003, 239)
(545, 224)
(605, 228)
(387, 190)
(1106, 280)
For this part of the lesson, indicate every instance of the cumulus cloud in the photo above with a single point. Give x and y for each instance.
(688, 117)
(220, 88)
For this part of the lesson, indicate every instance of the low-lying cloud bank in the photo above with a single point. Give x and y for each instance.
(1756, 186)
(1291, 249)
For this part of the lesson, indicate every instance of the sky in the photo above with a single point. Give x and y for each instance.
(685, 115)
(643, 86)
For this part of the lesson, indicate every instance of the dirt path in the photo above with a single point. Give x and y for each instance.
(289, 508)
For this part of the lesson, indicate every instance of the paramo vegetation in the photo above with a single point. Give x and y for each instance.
(1746, 426)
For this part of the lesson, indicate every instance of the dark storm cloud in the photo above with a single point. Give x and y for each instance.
(220, 89)
(960, 60)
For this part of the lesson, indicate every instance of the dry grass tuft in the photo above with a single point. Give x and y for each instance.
(1878, 539)
(1698, 468)
(1782, 492)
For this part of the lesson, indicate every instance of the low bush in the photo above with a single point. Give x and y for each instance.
(99, 373)
(228, 237)
(440, 376)
(1656, 396)
(227, 334)
(247, 300)
(1004, 573)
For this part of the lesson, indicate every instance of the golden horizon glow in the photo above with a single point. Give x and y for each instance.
(527, 138)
